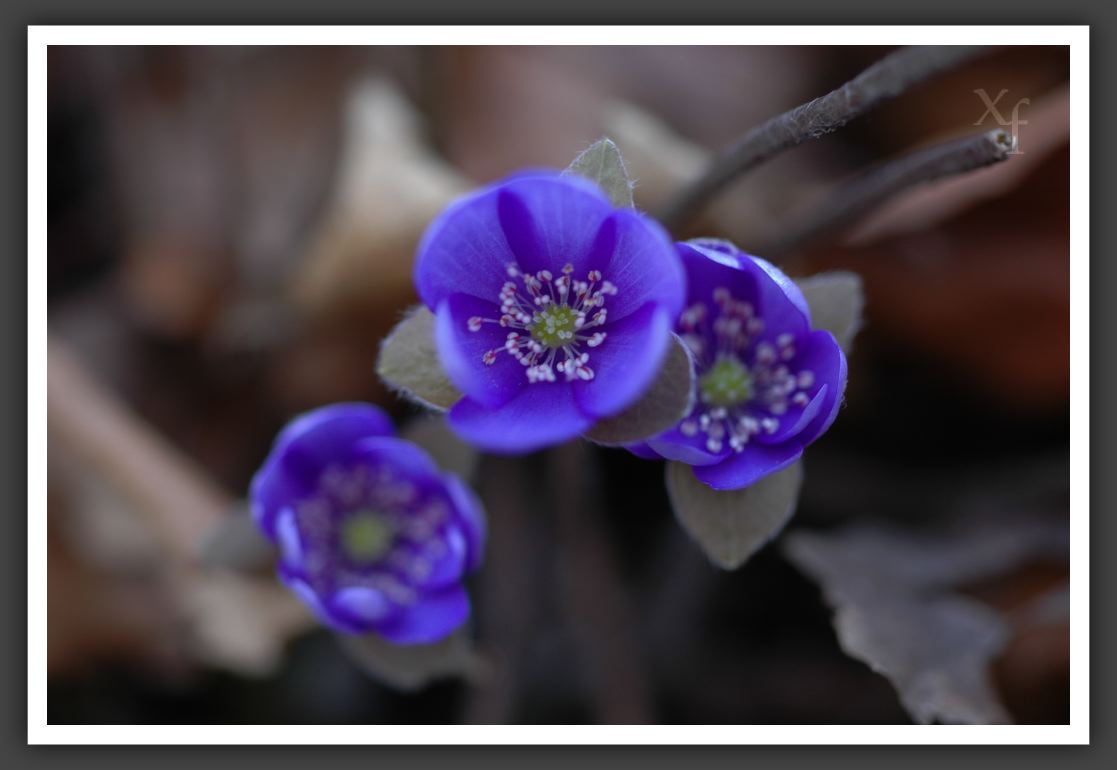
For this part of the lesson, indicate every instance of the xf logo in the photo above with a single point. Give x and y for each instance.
(1015, 121)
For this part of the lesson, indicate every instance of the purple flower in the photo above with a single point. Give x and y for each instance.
(767, 384)
(554, 308)
(372, 536)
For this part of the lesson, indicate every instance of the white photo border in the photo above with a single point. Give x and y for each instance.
(38, 729)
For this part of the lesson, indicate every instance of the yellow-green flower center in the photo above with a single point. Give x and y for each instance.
(366, 536)
(727, 383)
(554, 326)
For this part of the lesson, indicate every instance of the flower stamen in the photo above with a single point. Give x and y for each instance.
(551, 318)
(747, 385)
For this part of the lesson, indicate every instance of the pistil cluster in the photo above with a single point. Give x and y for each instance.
(550, 319)
(746, 386)
(368, 527)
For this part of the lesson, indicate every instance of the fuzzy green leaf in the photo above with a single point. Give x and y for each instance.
(602, 164)
(730, 526)
(409, 363)
(667, 401)
(836, 300)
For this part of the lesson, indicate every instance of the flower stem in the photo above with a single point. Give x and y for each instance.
(888, 78)
(597, 604)
(507, 587)
(874, 187)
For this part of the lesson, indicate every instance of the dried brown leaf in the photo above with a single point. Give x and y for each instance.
(896, 610)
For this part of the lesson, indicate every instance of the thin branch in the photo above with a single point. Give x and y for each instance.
(888, 78)
(874, 187)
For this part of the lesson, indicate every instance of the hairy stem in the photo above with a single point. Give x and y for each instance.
(889, 77)
(874, 187)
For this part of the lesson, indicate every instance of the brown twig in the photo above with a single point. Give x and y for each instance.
(874, 187)
(884, 80)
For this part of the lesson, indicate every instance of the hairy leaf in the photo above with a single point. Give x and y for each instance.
(667, 401)
(836, 300)
(730, 526)
(602, 163)
(411, 667)
(409, 363)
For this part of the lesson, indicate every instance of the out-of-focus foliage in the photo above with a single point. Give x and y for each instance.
(450, 453)
(235, 543)
(897, 605)
(354, 253)
(413, 666)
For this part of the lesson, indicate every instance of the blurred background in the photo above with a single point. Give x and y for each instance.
(231, 236)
